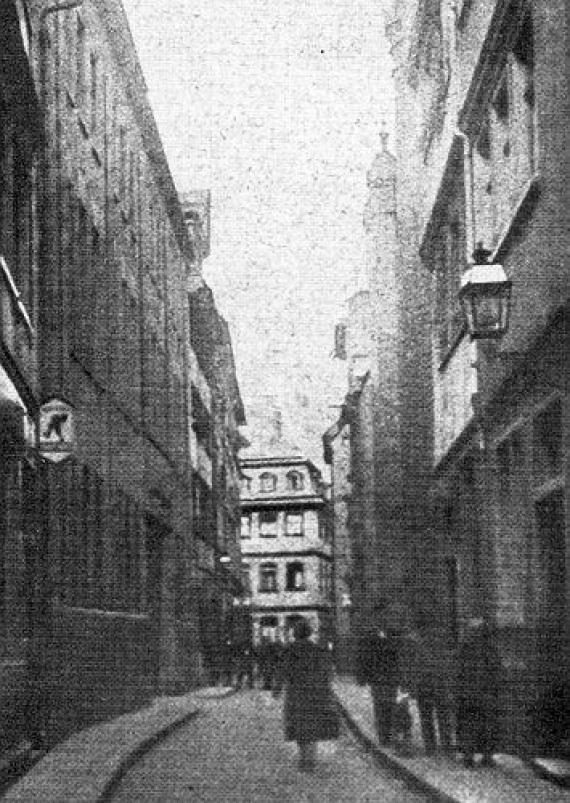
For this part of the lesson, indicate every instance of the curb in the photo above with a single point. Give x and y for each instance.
(146, 745)
(414, 782)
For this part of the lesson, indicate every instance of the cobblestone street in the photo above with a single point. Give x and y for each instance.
(234, 751)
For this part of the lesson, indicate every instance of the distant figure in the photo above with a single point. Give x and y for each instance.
(479, 668)
(268, 659)
(310, 713)
(377, 666)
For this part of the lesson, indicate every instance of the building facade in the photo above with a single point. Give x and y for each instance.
(217, 414)
(336, 452)
(285, 544)
(100, 366)
(482, 151)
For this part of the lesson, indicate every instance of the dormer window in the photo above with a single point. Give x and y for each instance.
(295, 481)
(267, 482)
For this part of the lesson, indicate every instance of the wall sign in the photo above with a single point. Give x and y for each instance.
(57, 431)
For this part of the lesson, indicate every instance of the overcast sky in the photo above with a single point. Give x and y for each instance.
(275, 107)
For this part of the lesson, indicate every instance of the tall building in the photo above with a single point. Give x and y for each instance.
(481, 146)
(101, 362)
(285, 544)
(337, 455)
(217, 414)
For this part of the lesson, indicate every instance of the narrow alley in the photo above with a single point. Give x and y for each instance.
(234, 751)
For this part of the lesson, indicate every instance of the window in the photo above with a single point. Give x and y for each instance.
(24, 24)
(246, 484)
(268, 627)
(291, 622)
(268, 523)
(267, 482)
(295, 481)
(295, 577)
(246, 577)
(245, 531)
(504, 153)
(294, 523)
(268, 578)
(448, 262)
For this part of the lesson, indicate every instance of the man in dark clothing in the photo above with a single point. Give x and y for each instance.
(479, 669)
(377, 666)
(435, 686)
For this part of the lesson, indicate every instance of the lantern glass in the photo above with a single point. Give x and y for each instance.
(485, 299)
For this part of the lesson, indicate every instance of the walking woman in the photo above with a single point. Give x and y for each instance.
(309, 709)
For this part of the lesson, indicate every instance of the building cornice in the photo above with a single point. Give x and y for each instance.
(282, 502)
(298, 553)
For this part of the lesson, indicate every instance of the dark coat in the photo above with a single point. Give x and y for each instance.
(309, 711)
(378, 660)
(477, 694)
(436, 666)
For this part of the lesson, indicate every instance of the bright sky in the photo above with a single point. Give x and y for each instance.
(276, 107)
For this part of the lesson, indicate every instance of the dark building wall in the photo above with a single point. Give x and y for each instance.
(20, 149)
(499, 541)
(113, 338)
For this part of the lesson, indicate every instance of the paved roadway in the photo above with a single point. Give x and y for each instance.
(234, 752)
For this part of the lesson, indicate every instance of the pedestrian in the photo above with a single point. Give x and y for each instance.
(479, 668)
(377, 666)
(310, 713)
(435, 684)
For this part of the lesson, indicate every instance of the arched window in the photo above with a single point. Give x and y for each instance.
(295, 577)
(267, 482)
(295, 481)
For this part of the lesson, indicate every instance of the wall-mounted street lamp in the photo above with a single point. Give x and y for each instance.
(485, 297)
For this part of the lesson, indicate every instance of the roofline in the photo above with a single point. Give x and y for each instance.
(280, 460)
(282, 501)
(116, 23)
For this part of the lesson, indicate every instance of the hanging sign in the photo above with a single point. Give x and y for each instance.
(57, 431)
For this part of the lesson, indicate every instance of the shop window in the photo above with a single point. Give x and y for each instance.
(267, 482)
(268, 578)
(295, 577)
(294, 523)
(268, 523)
